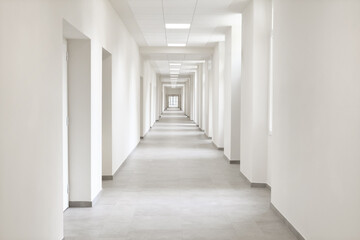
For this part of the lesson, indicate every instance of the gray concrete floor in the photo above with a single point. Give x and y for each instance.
(177, 185)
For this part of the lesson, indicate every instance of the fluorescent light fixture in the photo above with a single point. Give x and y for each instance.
(175, 64)
(174, 76)
(174, 72)
(190, 67)
(195, 61)
(177, 26)
(174, 69)
(176, 44)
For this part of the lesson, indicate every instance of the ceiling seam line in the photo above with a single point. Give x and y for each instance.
(192, 20)
(163, 13)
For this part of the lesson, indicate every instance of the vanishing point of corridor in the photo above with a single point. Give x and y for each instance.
(177, 185)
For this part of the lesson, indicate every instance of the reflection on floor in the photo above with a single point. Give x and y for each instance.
(176, 185)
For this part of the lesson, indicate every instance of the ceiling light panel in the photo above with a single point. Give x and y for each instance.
(176, 44)
(177, 26)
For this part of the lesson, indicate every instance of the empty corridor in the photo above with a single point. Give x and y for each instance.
(177, 185)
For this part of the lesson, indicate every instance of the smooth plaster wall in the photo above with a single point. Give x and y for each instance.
(254, 90)
(205, 98)
(188, 98)
(159, 98)
(218, 68)
(79, 103)
(316, 131)
(209, 99)
(149, 97)
(106, 114)
(232, 88)
(199, 93)
(31, 107)
(174, 91)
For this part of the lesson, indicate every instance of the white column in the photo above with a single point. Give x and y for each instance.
(209, 129)
(205, 98)
(254, 90)
(232, 91)
(199, 96)
(218, 94)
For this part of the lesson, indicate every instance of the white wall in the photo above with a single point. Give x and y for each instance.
(316, 131)
(149, 97)
(79, 102)
(96, 118)
(232, 89)
(173, 91)
(205, 98)
(106, 115)
(218, 67)
(159, 98)
(31, 101)
(254, 90)
(195, 97)
(199, 94)
(188, 98)
(209, 99)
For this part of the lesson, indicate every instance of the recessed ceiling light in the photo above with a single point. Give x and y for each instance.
(190, 67)
(175, 64)
(177, 26)
(176, 44)
(197, 61)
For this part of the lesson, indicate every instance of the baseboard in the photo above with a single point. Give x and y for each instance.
(107, 177)
(142, 137)
(231, 161)
(258, 185)
(245, 178)
(255, 185)
(84, 204)
(80, 204)
(218, 148)
(234, 161)
(207, 136)
(288, 224)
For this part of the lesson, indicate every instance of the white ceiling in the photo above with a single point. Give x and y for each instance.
(146, 21)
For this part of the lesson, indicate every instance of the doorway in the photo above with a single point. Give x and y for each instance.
(76, 118)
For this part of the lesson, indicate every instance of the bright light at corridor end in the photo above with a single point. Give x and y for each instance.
(176, 44)
(177, 26)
